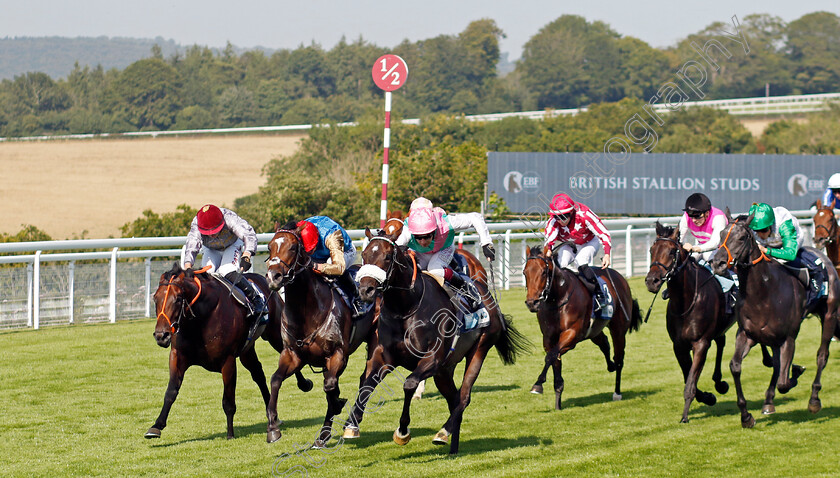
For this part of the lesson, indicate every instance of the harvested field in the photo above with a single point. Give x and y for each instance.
(70, 186)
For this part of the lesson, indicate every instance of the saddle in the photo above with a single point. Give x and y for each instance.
(235, 292)
(459, 265)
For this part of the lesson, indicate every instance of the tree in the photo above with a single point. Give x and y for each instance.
(814, 44)
(152, 224)
(146, 94)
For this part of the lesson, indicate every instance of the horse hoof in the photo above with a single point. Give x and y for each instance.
(722, 387)
(441, 438)
(616, 397)
(305, 385)
(768, 409)
(749, 422)
(537, 389)
(417, 396)
(795, 372)
(684, 420)
(815, 405)
(273, 436)
(401, 439)
(319, 445)
(351, 433)
(707, 399)
(152, 433)
(611, 367)
(229, 437)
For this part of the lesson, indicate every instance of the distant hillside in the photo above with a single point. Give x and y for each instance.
(56, 56)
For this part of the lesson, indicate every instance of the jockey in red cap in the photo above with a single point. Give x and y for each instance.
(227, 243)
(574, 222)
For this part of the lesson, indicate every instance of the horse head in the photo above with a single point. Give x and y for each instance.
(177, 291)
(378, 259)
(737, 244)
(286, 257)
(539, 272)
(666, 257)
(825, 226)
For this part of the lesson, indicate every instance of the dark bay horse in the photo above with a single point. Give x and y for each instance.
(317, 326)
(775, 322)
(827, 233)
(207, 327)
(695, 315)
(564, 310)
(418, 330)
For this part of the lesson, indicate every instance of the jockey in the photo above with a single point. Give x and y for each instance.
(227, 242)
(573, 222)
(778, 235)
(332, 251)
(430, 233)
(705, 223)
(831, 196)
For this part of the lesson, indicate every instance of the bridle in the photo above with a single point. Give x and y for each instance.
(676, 266)
(548, 273)
(832, 232)
(175, 325)
(296, 266)
(731, 260)
(386, 283)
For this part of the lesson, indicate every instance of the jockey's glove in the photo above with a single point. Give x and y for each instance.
(245, 263)
(489, 252)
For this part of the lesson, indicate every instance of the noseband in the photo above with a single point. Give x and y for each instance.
(375, 272)
(296, 266)
(547, 273)
(676, 265)
(731, 260)
(831, 232)
(174, 325)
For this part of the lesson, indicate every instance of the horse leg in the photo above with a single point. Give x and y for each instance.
(559, 383)
(177, 368)
(766, 358)
(377, 369)
(619, 342)
(603, 343)
(252, 364)
(743, 344)
(452, 427)
(770, 394)
(538, 387)
(683, 355)
(814, 404)
(720, 385)
(288, 363)
(425, 369)
(335, 366)
(303, 383)
(229, 395)
(787, 380)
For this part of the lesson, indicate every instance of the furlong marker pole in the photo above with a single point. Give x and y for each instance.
(387, 144)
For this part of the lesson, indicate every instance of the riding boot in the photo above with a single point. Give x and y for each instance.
(258, 315)
(591, 283)
(468, 291)
(348, 285)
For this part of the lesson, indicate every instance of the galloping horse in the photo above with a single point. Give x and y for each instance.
(417, 329)
(206, 326)
(317, 326)
(564, 310)
(827, 233)
(695, 316)
(775, 322)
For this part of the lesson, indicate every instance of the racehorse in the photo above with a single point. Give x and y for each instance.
(775, 322)
(419, 329)
(826, 233)
(317, 326)
(564, 310)
(695, 315)
(206, 326)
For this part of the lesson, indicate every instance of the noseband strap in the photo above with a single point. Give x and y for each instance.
(162, 312)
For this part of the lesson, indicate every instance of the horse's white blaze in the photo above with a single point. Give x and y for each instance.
(374, 248)
(370, 270)
(279, 241)
(273, 261)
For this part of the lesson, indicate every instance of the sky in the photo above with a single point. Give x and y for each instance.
(284, 24)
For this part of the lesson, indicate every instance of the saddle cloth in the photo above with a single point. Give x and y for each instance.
(606, 312)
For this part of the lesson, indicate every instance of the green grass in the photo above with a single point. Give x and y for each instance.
(77, 401)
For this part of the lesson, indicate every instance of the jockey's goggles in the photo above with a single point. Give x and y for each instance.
(563, 217)
(423, 237)
(695, 214)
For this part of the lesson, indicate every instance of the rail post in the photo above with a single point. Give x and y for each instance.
(112, 294)
(628, 246)
(71, 286)
(36, 291)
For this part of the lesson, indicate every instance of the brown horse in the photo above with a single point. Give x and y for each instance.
(207, 327)
(826, 233)
(317, 326)
(695, 316)
(418, 329)
(564, 310)
(775, 322)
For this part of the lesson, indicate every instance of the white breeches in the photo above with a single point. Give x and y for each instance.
(585, 253)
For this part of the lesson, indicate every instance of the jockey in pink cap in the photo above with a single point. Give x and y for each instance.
(430, 232)
(574, 222)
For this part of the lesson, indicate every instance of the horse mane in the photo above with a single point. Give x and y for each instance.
(289, 226)
(535, 252)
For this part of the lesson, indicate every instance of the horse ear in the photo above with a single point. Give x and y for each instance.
(277, 226)
(660, 229)
(527, 251)
(819, 204)
(750, 218)
(368, 233)
(728, 215)
(547, 251)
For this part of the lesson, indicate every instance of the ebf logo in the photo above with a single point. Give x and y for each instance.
(515, 182)
(800, 185)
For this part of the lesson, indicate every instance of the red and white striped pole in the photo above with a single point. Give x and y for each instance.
(389, 73)
(387, 144)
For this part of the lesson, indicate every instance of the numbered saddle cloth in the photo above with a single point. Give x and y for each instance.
(474, 320)
(606, 312)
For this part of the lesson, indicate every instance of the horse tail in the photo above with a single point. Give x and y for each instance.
(635, 317)
(512, 342)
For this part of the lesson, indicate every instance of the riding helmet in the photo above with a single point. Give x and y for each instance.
(763, 218)
(561, 204)
(210, 220)
(422, 221)
(834, 181)
(697, 203)
(419, 203)
(309, 234)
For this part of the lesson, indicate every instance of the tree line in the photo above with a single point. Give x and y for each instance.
(569, 63)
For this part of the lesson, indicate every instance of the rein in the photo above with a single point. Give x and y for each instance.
(292, 272)
(831, 232)
(166, 299)
(549, 275)
(730, 260)
(386, 283)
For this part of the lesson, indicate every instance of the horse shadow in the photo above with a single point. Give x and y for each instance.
(243, 431)
(434, 394)
(794, 415)
(474, 446)
(603, 397)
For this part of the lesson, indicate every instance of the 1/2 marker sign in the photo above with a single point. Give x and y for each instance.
(389, 72)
